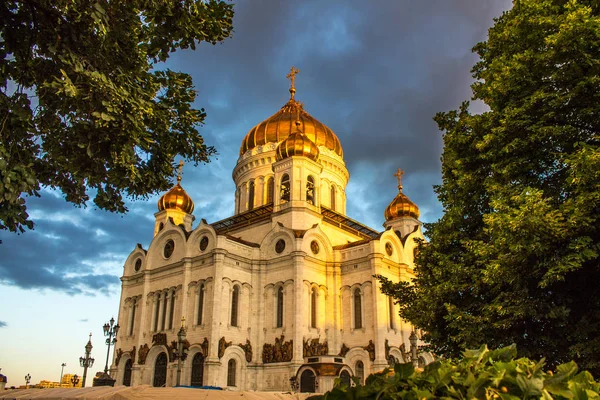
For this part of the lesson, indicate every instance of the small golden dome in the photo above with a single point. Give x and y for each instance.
(401, 206)
(281, 125)
(297, 144)
(176, 199)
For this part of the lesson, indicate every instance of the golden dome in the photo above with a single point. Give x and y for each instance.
(176, 199)
(281, 125)
(401, 206)
(297, 144)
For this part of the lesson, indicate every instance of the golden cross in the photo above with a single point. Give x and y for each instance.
(182, 321)
(292, 76)
(180, 170)
(399, 174)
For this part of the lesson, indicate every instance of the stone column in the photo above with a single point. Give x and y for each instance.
(213, 363)
(379, 315)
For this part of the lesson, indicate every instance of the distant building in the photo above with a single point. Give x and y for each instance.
(281, 290)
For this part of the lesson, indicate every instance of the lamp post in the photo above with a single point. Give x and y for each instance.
(75, 380)
(87, 361)
(413, 348)
(110, 331)
(180, 350)
(62, 367)
(27, 380)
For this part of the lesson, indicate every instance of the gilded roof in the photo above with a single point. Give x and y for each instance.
(282, 124)
(176, 199)
(401, 206)
(297, 144)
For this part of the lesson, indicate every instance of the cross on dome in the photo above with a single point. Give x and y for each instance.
(292, 77)
(179, 170)
(398, 175)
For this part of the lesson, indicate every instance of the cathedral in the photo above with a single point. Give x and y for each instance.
(280, 295)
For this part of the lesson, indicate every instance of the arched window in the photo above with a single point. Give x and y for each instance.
(270, 190)
(127, 373)
(238, 200)
(156, 312)
(359, 371)
(197, 370)
(313, 308)
(357, 309)
(172, 309)
(310, 190)
(235, 298)
(200, 304)
(280, 307)
(231, 367)
(160, 371)
(284, 192)
(392, 312)
(132, 319)
(333, 197)
(345, 377)
(251, 195)
(164, 311)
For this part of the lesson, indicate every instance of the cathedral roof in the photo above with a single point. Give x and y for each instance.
(176, 198)
(401, 206)
(282, 124)
(297, 144)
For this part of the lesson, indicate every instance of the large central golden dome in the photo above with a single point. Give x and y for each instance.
(282, 124)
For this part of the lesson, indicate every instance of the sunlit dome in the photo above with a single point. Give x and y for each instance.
(282, 124)
(176, 199)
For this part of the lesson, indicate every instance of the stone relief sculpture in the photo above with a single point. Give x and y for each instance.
(344, 350)
(371, 349)
(119, 354)
(222, 346)
(132, 354)
(204, 347)
(144, 349)
(247, 349)
(279, 352)
(159, 339)
(314, 348)
(405, 354)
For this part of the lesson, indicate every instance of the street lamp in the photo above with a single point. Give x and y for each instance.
(27, 380)
(75, 380)
(110, 332)
(62, 367)
(87, 361)
(181, 354)
(413, 348)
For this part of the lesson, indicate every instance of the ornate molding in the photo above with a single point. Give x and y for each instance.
(159, 339)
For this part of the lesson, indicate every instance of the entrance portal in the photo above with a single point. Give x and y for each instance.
(160, 371)
(307, 381)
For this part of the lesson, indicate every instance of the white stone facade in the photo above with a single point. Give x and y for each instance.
(284, 288)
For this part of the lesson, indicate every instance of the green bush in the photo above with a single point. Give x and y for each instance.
(481, 374)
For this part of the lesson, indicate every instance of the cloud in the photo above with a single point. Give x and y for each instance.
(376, 75)
(83, 320)
(3, 324)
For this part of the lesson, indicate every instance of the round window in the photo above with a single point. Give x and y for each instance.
(389, 249)
(203, 243)
(314, 246)
(138, 264)
(280, 246)
(169, 247)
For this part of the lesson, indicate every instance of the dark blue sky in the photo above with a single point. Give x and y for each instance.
(374, 72)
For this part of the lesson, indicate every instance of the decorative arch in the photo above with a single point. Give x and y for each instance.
(307, 378)
(236, 353)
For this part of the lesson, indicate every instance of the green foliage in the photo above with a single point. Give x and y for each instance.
(515, 257)
(481, 374)
(83, 105)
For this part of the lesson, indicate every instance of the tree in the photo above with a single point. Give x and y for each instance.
(84, 105)
(515, 257)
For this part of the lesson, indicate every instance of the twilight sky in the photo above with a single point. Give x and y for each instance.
(374, 72)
